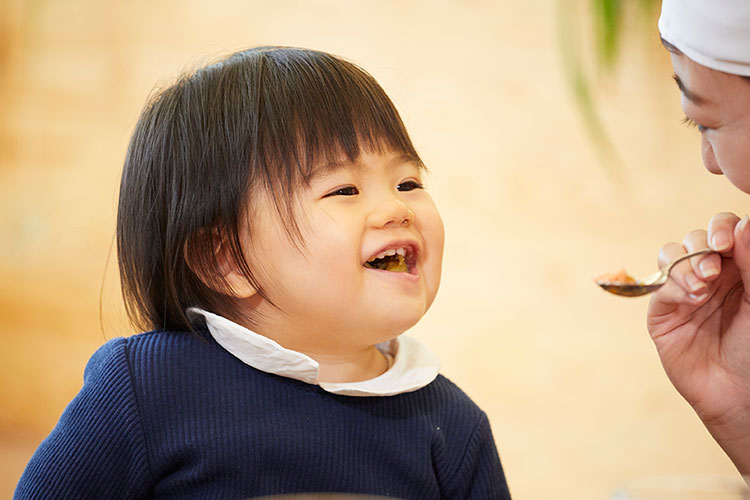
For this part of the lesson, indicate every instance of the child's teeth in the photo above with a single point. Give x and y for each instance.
(390, 253)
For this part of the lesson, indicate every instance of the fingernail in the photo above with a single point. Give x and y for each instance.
(744, 232)
(720, 241)
(698, 298)
(708, 268)
(694, 283)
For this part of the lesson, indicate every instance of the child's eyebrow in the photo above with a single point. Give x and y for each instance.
(330, 168)
(689, 94)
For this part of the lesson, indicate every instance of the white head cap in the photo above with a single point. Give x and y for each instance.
(714, 33)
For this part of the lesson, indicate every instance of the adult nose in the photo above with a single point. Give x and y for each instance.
(709, 157)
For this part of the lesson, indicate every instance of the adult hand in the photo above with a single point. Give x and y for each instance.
(700, 323)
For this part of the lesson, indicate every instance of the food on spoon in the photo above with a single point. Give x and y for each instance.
(620, 277)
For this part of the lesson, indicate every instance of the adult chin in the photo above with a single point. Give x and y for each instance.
(741, 182)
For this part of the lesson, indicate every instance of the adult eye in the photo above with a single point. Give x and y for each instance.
(343, 191)
(409, 185)
(692, 123)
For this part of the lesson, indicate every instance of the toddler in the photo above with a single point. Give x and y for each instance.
(275, 238)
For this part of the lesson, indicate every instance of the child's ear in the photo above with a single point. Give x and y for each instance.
(230, 279)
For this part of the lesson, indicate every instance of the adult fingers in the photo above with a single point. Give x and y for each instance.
(741, 252)
(721, 231)
(670, 252)
(705, 267)
(682, 275)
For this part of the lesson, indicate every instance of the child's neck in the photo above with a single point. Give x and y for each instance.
(354, 367)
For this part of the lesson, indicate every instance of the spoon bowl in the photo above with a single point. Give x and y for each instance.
(648, 284)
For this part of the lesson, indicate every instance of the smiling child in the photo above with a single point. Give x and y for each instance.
(275, 238)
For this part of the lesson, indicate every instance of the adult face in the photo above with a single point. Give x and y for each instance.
(719, 104)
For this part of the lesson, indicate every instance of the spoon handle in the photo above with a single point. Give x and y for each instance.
(687, 256)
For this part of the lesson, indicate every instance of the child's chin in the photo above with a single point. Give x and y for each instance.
(399, 323)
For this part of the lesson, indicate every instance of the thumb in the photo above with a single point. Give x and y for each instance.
(741, 251)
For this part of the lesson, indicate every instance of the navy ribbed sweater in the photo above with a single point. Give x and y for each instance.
(171, 415)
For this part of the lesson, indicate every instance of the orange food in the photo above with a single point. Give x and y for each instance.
(620, 277)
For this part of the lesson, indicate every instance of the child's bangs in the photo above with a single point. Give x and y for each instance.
(314, 110)
(327, 110)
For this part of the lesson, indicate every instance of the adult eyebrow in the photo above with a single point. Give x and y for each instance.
(689, 94)
(671, 48)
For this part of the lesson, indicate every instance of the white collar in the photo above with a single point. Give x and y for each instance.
(414, 365)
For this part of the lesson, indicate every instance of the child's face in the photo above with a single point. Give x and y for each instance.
(329, 298)
(720, 104)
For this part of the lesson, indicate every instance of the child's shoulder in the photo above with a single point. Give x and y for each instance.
(152, 348)
(149, 341)
(448, 389)
(443, 396)
(151, 361)
(157, 340)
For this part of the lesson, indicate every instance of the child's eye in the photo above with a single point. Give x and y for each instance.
(692, 123)
(409, 185)
(343, 191)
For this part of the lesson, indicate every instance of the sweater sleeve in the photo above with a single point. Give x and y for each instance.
(480, 474)
(97, 448)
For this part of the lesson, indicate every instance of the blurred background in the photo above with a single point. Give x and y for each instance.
(552, 131)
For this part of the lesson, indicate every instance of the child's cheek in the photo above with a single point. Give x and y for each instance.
(437, 232)
(434, 236)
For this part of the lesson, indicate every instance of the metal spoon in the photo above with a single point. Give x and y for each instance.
(650, 283)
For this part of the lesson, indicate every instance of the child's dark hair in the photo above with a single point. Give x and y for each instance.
(260, 119)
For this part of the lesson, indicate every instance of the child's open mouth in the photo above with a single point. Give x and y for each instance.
(394, 260)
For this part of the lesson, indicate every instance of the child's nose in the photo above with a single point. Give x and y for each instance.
(392, 213)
